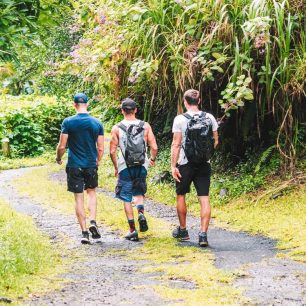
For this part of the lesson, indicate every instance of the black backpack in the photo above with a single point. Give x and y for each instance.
(134, 153)
(198, 145)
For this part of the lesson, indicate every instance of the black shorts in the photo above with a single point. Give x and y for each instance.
(198, 174)
(80, 179)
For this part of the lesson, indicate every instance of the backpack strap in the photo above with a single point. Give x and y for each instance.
(122, 127)
(203, 114)
(186, 115)
(141, 124)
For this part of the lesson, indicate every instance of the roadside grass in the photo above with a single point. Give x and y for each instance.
(159, 252)
(28, 261)
(15, 163)
(283, 219)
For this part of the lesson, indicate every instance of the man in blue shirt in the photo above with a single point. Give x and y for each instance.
(84, 135)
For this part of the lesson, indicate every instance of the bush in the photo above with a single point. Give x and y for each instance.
(34, 128)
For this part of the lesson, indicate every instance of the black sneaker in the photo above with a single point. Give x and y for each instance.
(203, 239)
(143, 225)
(181, 234)
(133, 236)
(85, 238)
(94, 230)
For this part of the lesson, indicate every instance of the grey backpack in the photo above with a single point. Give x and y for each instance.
(134, 152)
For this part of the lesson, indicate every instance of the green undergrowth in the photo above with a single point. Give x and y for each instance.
(28, 261)
(161, 252)
(281, 219)
(15, 163)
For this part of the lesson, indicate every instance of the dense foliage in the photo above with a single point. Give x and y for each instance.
(247, 58)
(34, 126)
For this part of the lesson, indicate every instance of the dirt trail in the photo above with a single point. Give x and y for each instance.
(266, 279)
(104, 279)
(99, 277)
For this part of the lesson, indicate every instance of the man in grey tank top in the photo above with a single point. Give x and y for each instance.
(129, 137)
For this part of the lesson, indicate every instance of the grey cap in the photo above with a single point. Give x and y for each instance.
(128, 104)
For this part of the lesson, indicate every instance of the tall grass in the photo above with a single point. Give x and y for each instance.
(26, 256)
(156, 49)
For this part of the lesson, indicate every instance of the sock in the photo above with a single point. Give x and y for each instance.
(132, 225)
(84, 232)
(140, 208)
(93, 222)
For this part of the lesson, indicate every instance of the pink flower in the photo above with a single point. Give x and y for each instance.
(97, 29)
(102, 19)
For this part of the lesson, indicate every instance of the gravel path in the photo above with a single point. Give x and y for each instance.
(99, 277)
(266, 279)
(103, 278)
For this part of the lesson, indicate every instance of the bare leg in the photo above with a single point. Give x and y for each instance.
(128, 210)
(181, 210)
(139, 199)
(79, 209)
(92, 203)
(205, 213)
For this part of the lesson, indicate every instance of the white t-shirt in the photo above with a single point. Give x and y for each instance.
(180, 126)
(122, 145)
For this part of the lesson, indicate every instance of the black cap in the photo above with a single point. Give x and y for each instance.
(128, 104)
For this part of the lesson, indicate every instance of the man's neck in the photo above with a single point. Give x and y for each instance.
(193, 108)
(130, 117)
(82, 111)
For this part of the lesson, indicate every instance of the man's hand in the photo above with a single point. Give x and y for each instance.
(216, 144)
(152, 162)
(176, 174)
(97, 163)
(116, 172)
(59, 161)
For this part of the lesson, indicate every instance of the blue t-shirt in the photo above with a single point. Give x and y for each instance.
(83, 131)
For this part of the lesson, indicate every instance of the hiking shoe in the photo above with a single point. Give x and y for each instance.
(132, 236)
(203, 239)
(94, 230)
(181, 234)
(85, 238)
(143, 225)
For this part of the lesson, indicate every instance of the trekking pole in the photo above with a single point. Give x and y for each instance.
(6, 147)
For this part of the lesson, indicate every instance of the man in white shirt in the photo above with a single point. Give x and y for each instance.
(186, 172)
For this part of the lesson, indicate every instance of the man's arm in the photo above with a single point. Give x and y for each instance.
(175, 152)
(61, 147)
(100, 147)
(113, 147)
(216, 138)
(152, 144)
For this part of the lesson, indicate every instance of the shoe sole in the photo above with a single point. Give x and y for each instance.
(182, 238)
(85, 241)
(203, 244)
(132, 239)
(143, 226)
(94, 232)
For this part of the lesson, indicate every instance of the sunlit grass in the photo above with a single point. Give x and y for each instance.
(28, 262)
(283, 218)
(161, 253)
(15, 163)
